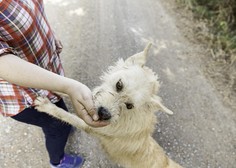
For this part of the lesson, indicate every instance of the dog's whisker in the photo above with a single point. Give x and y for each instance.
(111, 93)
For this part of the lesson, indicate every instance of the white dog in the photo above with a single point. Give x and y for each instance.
(127, 97)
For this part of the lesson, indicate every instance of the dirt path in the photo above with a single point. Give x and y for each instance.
(200, 134)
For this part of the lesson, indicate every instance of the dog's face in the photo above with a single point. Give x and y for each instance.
(129, 88)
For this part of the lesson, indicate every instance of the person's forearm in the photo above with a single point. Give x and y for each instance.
(23, 73)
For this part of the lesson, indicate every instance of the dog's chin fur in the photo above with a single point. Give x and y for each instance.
(128, 138)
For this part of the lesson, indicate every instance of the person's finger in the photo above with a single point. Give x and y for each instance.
(83, 114)
(88, 104)
(87, 118)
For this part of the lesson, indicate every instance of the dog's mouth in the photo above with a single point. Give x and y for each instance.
(103, 114)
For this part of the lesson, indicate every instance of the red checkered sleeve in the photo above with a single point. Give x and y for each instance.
(5, 48)
(26, 33)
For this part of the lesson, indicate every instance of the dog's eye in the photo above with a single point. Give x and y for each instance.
(119, 86)
(129, 105)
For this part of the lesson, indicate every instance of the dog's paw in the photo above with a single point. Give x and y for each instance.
(42, 104)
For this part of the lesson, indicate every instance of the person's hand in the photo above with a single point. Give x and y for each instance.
(81, 98)
(20, 72)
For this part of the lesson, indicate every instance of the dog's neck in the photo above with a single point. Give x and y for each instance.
(133, 130)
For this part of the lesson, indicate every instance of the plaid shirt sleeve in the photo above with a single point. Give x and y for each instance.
(5, 48)
(25, 32)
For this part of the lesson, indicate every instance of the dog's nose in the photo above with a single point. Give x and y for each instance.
(103, 113)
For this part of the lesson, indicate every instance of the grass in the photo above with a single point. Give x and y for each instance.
(220, 16)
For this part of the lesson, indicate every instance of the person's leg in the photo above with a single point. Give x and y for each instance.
(56, 132)
(56, 135)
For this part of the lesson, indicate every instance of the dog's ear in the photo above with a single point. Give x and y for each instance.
(156, 103)
(139, 58)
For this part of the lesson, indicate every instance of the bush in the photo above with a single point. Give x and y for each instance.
(221, 16)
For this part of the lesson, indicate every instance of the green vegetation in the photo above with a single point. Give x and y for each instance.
(221, 17)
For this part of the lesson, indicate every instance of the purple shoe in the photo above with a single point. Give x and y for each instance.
(70, 161)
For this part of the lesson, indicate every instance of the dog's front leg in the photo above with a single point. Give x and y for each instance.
(44, 105)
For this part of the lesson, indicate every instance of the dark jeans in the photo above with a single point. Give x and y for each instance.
(56, 132)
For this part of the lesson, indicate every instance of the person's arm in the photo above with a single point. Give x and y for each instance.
(22, 73)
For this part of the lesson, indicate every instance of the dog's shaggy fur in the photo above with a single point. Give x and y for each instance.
(128, 94)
